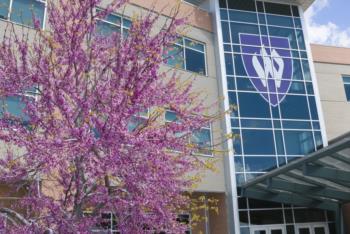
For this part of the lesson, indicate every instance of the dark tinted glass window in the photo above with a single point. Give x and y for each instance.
(299, 142)
(290, 229)
(309, 215)
(260, 204)
(222, 3)
(295, 107)
(253, 105)
(239, 164)
(237, 28)
(231, 83)
(258, 142)
(243, 217)
(243, 16)
(229, 64)
(261, 217)
(195, 61)
(247, 5)
(346, 80)
(260, 164)
(295, 11)
(278, 9)
(260, 6)
(313, 107)
(280, 20)
(225, 32)
(242, 203)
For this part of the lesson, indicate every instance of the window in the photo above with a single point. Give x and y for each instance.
(201, 138)
(22, 11)
(113, 23)
(346, 80)
(108, 224)
(187, 54)
(138, 120)
(14, 106)
(185, 219)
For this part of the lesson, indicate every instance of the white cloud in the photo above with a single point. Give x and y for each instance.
(328, 33)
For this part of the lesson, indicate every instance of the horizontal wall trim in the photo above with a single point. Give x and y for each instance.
(330, 54)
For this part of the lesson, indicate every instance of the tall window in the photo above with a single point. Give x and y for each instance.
(113, 23)
(22, 11)
(346, 80)
(201, 138)
(189, 55)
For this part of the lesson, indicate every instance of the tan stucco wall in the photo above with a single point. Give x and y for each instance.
(330, 64)
(336, 109)
(195, 16)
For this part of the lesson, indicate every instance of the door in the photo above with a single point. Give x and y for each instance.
(316, 228)
(271, 229)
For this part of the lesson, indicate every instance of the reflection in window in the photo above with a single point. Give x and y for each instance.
(295, 107)
(14, 107)
(299, 142)
(113, 23)
(258, 142)
(248, 100)
(187, 54)
(137, 121)
(346, 80)
(23, 11)
(260, 164)
(201, 138)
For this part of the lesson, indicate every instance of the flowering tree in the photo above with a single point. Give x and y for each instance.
(81, 144)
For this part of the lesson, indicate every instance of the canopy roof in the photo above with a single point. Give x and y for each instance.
(319, 180)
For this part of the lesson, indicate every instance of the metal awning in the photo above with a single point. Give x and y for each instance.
(320, 180)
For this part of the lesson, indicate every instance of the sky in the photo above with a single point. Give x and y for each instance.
(328, 22)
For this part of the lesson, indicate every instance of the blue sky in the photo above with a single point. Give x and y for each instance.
(329, 22)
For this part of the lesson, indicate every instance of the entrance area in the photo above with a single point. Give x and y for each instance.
(270, 229)
(316, 228)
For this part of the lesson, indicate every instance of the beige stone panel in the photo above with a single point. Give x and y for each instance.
(330, 54)
(331, 87)
(337, 116)
(328, 68)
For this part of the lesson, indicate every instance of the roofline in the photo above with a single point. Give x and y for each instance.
(330, 54)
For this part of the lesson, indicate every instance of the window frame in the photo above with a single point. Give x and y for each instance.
(189, 230)
(123, 18)
(209, 127)
(10, 10)
(183, 46)
(346, 83)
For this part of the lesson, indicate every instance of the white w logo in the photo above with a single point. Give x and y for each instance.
(269, 69)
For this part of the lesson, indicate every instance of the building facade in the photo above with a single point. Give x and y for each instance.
(289, 98)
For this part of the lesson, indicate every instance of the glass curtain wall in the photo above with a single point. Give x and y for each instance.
(269, 82)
